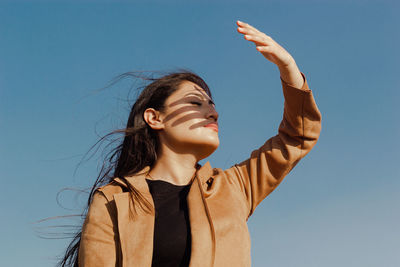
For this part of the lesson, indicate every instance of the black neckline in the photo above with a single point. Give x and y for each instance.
(160, 187)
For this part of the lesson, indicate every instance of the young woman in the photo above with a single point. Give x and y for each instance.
(159, 207)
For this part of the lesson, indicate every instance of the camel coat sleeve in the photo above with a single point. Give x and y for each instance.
(298, 132)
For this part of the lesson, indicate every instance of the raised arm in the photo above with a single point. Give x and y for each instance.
(298, 132)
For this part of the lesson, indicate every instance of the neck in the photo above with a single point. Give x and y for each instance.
(174, 168)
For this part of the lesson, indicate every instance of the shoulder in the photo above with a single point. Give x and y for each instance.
(110, 189)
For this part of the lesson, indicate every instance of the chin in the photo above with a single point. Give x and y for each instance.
(206, 149)
(201, 145)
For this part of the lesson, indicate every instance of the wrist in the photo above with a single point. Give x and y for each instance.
(291, 75)
(289, 70)
(289, 65)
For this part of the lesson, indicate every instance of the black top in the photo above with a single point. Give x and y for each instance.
(172, 242)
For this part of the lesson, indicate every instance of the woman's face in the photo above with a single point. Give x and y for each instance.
(189, 121)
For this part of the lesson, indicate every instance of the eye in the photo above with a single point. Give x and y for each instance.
(195, 103)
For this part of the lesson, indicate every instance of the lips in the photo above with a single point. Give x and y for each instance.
(213, 126)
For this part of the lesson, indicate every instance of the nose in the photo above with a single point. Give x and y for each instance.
(212, 112)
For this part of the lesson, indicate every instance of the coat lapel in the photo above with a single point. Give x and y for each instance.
(136, 232)
(203, 245)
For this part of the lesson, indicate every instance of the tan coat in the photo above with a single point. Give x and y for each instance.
(219, 201)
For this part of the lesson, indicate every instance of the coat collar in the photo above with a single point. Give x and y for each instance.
(205, 172)
(138, 180)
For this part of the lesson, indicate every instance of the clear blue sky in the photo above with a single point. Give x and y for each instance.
(339, 206)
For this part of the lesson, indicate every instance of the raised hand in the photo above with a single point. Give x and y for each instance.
(272, 51)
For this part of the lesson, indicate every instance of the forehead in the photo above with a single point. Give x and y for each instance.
(186, 89)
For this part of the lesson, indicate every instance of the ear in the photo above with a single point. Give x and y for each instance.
(152, 118)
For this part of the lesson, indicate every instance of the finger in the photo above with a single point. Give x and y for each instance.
(246, 31)
(257, 40)
(250, 34)
(239, 23)
(253, 38)
(264, 49)
(247, 26)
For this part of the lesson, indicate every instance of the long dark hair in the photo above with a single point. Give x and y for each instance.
(139, 147)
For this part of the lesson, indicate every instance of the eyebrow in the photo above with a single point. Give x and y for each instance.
(201, 96)
(196, 94)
